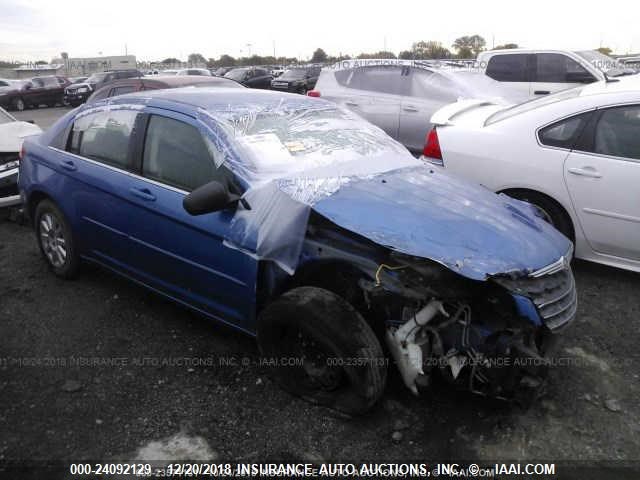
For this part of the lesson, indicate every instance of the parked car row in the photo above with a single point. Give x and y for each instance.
(306, 221)
(78, 93)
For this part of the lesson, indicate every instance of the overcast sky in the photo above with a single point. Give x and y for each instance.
(40, 29)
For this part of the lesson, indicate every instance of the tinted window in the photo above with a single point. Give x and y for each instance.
(558, 68)
(564, 133)
(508, 68)
(104, 136)
(176, 154)
(122, 90)
(617, 132)
(37, 82)
(50, 82)
(374, 79)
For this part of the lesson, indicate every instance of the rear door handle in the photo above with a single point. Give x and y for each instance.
(586, 172)
(143, 193)
(541, 92)
(410, 108)
(68, 165)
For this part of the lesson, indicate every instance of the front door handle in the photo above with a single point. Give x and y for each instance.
(351, 104)
(68, 165)
(410, 108)
(541, 92)
(143, 193)
(586, 172)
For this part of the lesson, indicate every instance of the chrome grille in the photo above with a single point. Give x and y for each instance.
(553, 294)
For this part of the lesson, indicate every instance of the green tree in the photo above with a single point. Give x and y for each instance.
(319, 56)
(605, 50)
(380, 54)
(226, 61)
(429, 50)
(506, 46)
(469, 45)
(41, 62)
(170, 60)
(196, 58)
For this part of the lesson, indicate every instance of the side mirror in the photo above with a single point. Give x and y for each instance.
(211, 197)
(27, 86)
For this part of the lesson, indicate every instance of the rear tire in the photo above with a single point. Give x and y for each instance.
(338, 360)
(55, 239)
(551, 211)
(18, 104)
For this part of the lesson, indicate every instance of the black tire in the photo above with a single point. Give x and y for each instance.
(340, 363)
(18, 104)
(50, 226)
(552, 211)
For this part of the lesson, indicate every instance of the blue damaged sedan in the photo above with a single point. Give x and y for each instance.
(294, 220)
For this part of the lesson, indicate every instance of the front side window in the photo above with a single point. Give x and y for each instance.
(558, 68)
(617, 132)
(104, 136)
(565, 133)
(512, 67)
(37, 83)
(427, 84)
(175, 153)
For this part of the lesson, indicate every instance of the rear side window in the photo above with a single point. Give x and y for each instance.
(618, 132)
(104, 136)
(558, 68)
(176, 154)
(512, 67)
(565, 133)
(374, 79)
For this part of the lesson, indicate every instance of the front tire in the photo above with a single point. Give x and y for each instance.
(338, 361)
(55, 239)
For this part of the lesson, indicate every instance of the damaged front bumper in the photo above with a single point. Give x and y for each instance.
(493, 338)
(9, 195)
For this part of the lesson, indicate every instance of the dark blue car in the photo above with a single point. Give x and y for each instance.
(296, 221)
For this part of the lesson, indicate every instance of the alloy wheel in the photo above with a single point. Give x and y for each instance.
(53, 240)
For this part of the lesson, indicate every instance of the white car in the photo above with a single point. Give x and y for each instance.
(12, 133)
(575, 154)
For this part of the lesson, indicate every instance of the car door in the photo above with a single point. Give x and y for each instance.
(98, 160)
(602, 175)
(34, 92)
(556, 71)
(427, 92)
(375, 93)
(182, 255)
(513, 70)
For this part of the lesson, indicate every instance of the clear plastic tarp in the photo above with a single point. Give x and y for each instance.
(291, 153)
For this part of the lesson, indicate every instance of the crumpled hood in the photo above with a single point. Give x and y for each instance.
(13, 133)
(426, 212)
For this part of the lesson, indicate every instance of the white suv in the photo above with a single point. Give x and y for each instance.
(531, 73)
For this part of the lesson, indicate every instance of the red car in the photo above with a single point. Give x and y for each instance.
(47, 90)
(129, 85)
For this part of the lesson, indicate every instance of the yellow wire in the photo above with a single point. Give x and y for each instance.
(388, 267)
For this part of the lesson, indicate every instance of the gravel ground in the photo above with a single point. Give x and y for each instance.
(61, 398)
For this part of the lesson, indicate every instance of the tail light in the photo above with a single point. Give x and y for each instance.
(313, 93)
(22, 153)
(432, 148)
